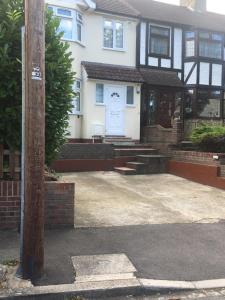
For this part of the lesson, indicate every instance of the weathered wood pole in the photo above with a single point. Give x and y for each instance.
(32, 250)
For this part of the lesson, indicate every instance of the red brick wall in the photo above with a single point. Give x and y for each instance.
(59, 204)
(205, 174)
(9, 204)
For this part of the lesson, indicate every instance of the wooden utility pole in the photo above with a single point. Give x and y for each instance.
(32, 231)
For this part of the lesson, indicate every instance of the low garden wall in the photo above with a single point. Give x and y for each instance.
(59, 204)
(201, 167)
(206, 158)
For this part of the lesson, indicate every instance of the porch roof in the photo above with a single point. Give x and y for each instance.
(161, 78)
(112, 72)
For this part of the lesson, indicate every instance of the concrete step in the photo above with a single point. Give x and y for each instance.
(125, 171)
(133, 151)
(140, 168)
(156, 163)
(118, 140)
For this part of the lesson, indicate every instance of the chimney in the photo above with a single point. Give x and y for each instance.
(199, 5)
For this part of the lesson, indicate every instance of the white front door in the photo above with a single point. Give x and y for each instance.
(115, 105)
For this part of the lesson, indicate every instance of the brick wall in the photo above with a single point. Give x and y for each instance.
(59, 204)
(161, 138)
(86, 151)
(9, 204)
(205, 158)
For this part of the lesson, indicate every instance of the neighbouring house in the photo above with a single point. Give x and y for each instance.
(145, 70)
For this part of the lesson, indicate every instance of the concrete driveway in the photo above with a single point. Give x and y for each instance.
(105, 199)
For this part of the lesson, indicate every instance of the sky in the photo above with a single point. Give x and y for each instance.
(217, 6)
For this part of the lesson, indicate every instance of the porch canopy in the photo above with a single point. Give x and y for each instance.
(112, 72)
(156, 77)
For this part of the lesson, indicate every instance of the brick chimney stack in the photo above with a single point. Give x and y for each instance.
(199, 5)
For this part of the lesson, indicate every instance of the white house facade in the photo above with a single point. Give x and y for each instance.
(103, 45)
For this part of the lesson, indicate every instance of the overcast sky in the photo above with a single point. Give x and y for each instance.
(212, 5)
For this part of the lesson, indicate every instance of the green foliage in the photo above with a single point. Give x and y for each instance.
(59, 79)
(59, 91)
(209, 138)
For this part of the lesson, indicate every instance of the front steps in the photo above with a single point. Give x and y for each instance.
(145, 164)
(118, 140)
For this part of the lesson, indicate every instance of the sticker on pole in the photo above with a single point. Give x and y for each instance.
(36, 73)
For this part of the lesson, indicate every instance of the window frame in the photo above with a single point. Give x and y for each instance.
(211, 40)
(100, 103)
(133, 104)
(77, 90)
(194, 96)
(77, 19)
(190, 39)
(153, 54)
(114, 22)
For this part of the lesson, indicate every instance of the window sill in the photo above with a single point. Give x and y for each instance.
(130, 105)
(76, 114)
(114, 49)
(99, 104)
(74, 41)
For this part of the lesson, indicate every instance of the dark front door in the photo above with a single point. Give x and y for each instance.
(165, 108)
(159, 106)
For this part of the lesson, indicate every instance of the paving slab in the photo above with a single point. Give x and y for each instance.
(102, 267)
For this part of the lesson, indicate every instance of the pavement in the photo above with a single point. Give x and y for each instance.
(168, 227)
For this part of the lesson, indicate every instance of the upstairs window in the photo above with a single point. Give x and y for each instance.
(159, 42)
(210, 45)
(113, 35)
(189, 43)
(71, 23)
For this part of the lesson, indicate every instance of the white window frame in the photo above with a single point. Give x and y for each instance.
(76, 17)
(99, 103)
(77, 90)
(126, 88)
(114, 35)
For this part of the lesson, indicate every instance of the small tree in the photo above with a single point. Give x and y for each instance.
(59, 79)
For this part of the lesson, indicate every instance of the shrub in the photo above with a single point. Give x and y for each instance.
(209, 138)
(59, 80)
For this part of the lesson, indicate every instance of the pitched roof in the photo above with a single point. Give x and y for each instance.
(131, 74)
(158, 11)
(112, 72)
(161, 77)
(119, 7)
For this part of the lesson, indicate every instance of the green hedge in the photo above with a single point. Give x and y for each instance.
(209, 138)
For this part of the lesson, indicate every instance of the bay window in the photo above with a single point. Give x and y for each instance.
(113, 35)
(71, 23)
(159, 42)
(208, 104)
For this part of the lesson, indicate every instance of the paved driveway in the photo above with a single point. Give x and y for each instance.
(110, 199)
